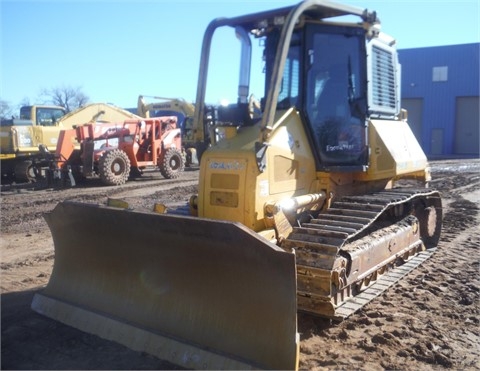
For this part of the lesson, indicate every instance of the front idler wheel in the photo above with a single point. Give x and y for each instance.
(429, 214)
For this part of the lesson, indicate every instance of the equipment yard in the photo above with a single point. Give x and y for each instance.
(428, 320)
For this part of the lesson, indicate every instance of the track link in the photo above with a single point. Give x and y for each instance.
(343, 252)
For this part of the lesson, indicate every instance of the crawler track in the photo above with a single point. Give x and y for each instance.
(346, 249)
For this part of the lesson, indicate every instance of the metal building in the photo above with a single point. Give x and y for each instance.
(440, 90)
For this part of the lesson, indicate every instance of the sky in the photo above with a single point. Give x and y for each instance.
(115, 50)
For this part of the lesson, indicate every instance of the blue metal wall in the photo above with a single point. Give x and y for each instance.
(440, 97)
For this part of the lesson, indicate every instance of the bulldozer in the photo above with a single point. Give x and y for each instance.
(21, 158)
(317, 204)
(116, 151)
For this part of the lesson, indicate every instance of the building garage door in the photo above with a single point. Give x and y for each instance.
(467, 122)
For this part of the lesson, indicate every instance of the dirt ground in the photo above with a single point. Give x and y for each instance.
(427, 321)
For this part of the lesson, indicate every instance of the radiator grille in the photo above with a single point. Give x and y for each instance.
(383, 81)
(383, 78)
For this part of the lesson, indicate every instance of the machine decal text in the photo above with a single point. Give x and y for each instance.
(231, 165)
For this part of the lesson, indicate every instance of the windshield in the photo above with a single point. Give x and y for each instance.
(49, 116)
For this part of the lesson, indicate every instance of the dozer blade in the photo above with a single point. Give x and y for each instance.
(198, 293)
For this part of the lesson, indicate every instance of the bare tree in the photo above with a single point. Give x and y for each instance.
(66, 96)
(6, 111)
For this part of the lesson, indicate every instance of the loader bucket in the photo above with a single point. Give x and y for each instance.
(196, 292)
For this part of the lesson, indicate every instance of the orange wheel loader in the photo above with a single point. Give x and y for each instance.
(116, 151)
(39, 126)
(311, 198)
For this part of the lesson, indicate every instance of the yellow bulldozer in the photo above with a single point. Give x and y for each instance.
(21, 158)
(316, 203)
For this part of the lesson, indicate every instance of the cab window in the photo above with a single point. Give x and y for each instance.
(48, 116)
(335, 101)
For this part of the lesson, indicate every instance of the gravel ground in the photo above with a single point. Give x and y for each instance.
(429, 320)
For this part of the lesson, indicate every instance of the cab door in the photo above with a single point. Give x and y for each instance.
(335, 101)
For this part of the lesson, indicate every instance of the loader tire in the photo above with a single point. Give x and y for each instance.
(172, 164)
(114, 167)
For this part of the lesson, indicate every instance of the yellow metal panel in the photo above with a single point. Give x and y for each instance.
(394, 151)
(290, 163)
(402, 146)
(226, 199)
(285, 169)
(222, 198)
(225, 181)
(45, 135)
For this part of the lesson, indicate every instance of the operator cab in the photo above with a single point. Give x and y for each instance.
(328, 64)
(326, 76)
(45, 116)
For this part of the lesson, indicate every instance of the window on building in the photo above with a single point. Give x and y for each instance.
(440, 74)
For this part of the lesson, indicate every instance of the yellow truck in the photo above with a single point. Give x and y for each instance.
(20, 157)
